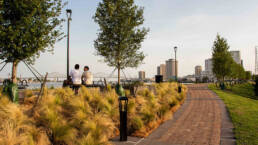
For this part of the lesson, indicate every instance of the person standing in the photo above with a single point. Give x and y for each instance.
(76, 75)
(87, 76)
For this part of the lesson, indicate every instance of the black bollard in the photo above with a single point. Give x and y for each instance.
(158, 78)
(123, 102)
(179, 89)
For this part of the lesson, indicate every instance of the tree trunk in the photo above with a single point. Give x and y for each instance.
(14, 72)
(118, 75)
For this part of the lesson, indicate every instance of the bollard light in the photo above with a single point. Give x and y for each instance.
(123, 102)
(179, 87)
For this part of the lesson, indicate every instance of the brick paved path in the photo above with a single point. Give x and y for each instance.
(202, 120)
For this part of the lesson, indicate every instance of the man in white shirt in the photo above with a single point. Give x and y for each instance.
(76, 76)
(87, 77)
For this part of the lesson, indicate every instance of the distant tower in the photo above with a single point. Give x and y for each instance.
(158, 70)
(142, 75)
(256, 60)
(171, 72)
(198, 71)
(161, 70)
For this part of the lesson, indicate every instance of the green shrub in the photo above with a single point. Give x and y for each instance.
(245, 90)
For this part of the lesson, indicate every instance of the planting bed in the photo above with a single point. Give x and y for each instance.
(90, 118)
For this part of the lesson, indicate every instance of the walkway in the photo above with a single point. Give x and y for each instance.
(202, 120)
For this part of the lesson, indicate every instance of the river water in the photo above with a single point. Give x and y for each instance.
(55, 85)
(48, 84)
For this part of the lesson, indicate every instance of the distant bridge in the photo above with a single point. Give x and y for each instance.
(55, 76)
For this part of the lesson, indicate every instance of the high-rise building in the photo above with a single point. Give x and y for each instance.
(158, 70)
(171, 72)
(208, 66)
(142, 75)
(161, 70)
(198, 71)
(236, 56)
(208, 70)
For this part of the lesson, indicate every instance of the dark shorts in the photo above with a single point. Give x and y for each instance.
(76, 87)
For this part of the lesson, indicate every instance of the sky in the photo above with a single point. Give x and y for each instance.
(191, 25)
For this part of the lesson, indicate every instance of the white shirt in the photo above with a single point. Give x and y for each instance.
(76, 76)
(87, 77)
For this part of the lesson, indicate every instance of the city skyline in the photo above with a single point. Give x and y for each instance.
(191, 27)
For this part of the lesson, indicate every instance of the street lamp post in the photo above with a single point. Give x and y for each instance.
(69, 18)
(175, 49)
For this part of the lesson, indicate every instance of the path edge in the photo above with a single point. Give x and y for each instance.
(227, 135)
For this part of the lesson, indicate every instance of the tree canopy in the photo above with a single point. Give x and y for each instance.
(28, 28)
(237, 71)
(120, 35)
(224, 67)
(248, 75)
(221, 58)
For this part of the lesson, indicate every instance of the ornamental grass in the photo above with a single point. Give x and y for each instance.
(89, 118)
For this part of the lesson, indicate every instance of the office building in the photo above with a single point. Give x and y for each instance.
(161, 70)
(208, 72)
(198, 71)
(171, 69)
(141, 75)
(208, 66)
(236, 56)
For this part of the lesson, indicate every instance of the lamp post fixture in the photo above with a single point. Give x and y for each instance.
(123, 103)
(175, 49)
(69, 18)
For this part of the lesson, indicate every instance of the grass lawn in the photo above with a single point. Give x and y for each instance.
(244, 114)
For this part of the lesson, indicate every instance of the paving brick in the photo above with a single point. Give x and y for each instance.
(202, 120)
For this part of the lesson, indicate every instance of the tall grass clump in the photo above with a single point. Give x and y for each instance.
(154, 107)
(15, 127)
(77, 119)
(89, 118)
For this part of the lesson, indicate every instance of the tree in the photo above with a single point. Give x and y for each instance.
(234, 71)
(237, 71)
(27, 29)
(120, 35)
(221, 58)
(241, 72)
(248, 75)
